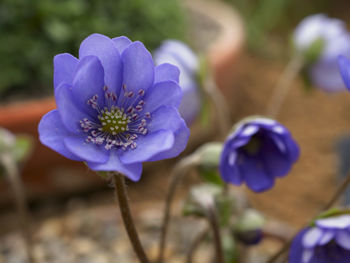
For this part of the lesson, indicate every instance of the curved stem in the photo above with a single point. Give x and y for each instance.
(334, 198)
(180, 169)
(283, 85)
(121, 194)
(222, 109)
(213, 221)
(13, 176)
(195, 244)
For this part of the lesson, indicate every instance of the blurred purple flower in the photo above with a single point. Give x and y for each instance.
(115, 110)
(327, 241)
(344, 67)
(180, 55)
(259, 150)
(333, 39)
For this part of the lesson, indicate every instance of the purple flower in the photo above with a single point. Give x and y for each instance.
(180, 55)
(334, 39)
(259, 150)
(344, 67)
(115, 109)
(327, 241)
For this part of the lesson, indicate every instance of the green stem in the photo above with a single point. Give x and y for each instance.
(338, 193)
(220, 104)
(121, 194)
(13, 176)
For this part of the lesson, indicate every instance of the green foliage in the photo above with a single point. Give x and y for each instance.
(264, 17)
(202, 78)
(226, 208)
(332, 212)
(23, 148)
(230, 248)
(211, 176)
(33, 32)
(312, 54)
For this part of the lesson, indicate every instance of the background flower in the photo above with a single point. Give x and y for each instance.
(179, 54)
(327, 241)
(259, 150)
(321, 40)
(344, 67)
(115, 110)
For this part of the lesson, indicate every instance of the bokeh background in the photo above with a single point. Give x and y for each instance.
(246, 69)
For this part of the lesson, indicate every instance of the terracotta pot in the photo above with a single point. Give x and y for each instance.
(223, 52)
(47, 173)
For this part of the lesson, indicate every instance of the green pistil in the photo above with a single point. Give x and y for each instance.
(253, 146)
(114, 121)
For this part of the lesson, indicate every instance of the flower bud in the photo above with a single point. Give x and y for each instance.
(248, 228)
(209, 155)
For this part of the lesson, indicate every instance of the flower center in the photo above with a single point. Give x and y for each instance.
(253, 146)
(114, 121)
(120, 122)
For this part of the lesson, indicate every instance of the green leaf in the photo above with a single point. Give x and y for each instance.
(205, 112)
(312, 54)
(308, 87)
(330, 213)
(58, 30)
(225, 207)
(210, 176)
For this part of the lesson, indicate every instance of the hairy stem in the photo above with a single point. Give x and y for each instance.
(332, 201)
(180, 169)
(121, 194)
(283, 85)
(221, 107)
(13, 176)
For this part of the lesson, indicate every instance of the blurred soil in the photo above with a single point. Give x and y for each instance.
(316, 120)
